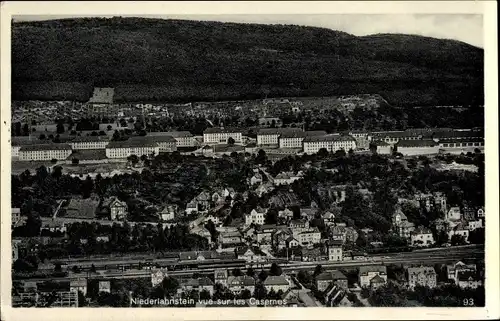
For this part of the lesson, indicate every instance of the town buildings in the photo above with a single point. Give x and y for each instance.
(44, 152)
(370, 276)
(89, 142)
(421, 237)
(138, 147)
(256, 216)
(276, 283)
(325, 279)
(331, 143)
(221, 136)
(423, 276)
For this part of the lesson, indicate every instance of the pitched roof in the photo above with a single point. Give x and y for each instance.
(421, 269)
(278, 131)
(154, 139)
(372, 268)
(175, 134)
(466, 275)
(377, 279)
(88, 154)
(329, 137)
(276, 280)
(132, 143)
(241, 280)
(331, 275)
(85, 139)
(42, 147)
(417, 143)
(215, 130)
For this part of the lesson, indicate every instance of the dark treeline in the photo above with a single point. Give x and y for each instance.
(173, 60)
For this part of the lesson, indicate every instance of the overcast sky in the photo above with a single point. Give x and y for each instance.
(463, 27)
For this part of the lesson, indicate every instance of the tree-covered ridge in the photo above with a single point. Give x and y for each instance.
(189, 60)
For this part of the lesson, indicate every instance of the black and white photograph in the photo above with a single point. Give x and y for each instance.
(257, 160)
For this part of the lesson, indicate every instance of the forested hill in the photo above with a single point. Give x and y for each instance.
(178, 60)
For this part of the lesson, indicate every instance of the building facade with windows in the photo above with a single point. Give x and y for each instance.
(123, 149)
(44, 152)
(89, 142)
(221, 136)
(331, 143)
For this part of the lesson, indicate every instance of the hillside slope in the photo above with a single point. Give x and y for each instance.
(176, 60)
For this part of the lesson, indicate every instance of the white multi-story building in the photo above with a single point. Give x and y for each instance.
(331, 143)
(166, 144)
(256, 216)
(89, 142)
(123, 149)
(423, 276)
(270, 136)
(367, 273)
(294, 139)
(41, 152)
(182, 138)
(422, 237)
(335, 250)
(311, 237)
(221, 136)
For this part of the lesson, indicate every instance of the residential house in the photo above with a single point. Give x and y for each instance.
(377, 281)
(78, 285)
(16, 215)
(282, 179)
(104, 286)
(199, 284)
(328, 218)
(309, 237)
(204, 199)
(230, 238)
(459, 229)
(453, 269)
(325, 279)
(475, 225)
(276, 283)
(280, 238)
(215, 219)
(308, 212)
(251, 254)
(203, 232)
(256, 216)
(218, 198)
(335, 250)
(422, 237)
(468, 279)
(264, 189)
(221, 276)
(236, 284)
(298, 226)
(53, 226)
(480, 212)
(286, 213)
(256, 179)
(264, 233)
(367, 274)
(423, 276)
(401, 224)
(117, 209)
(192, 207)
(291, 242)
(169, 212)
(454, 214)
